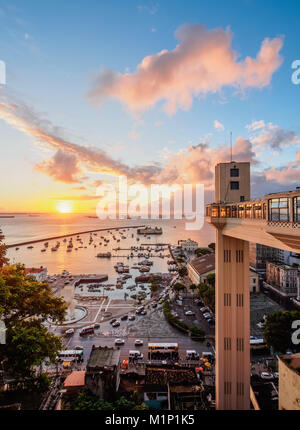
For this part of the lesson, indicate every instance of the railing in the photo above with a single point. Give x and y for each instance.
(283, 211)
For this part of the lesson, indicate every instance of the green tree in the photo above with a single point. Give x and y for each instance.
(25, 304)
(211, 279)
(212, 246)
(3, 259)
(278, 330)
(182, 271)
(202, 251)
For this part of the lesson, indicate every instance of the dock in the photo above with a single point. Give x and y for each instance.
(28, 242)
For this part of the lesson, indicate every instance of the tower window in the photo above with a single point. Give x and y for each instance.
(234, 173)
(234, 185)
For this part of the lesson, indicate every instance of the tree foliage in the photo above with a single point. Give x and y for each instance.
(25, 304)
(278, 330)
(86, 401)
(207, 292)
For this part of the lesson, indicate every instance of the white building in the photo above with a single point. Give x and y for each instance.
(188, 245)
(39, 274)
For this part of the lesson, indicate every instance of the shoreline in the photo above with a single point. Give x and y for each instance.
(28, 242)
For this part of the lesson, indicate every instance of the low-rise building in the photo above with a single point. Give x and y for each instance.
(254, 282)
(102, 375)
(39, 274)
(282, 279)
(289, 382)
(188, 245)
(199, 268)
(74, 383)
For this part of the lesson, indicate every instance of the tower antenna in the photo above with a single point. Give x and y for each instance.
(231, 146)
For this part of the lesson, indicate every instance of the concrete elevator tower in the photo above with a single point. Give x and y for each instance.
(232, 184)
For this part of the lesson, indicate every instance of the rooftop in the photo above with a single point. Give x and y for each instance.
(204, 264)
(103, 357)
(33, 270)
(292, 361)
(162, 376)
(75, 379)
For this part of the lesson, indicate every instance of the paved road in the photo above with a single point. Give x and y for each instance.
(150, 328)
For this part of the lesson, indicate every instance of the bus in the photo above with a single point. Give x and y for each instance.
(87, 330)
(70, 355)
(162, 351)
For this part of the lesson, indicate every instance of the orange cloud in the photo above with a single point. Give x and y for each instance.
(203, 62)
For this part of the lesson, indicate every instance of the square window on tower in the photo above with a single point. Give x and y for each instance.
(234, 185)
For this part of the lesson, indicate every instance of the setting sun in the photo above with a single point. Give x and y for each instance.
(64, 206)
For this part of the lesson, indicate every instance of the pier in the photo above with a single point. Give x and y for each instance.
(29, 242)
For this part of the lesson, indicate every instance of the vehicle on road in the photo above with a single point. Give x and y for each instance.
(189, 313)
(136, 354)
(113, 320)
(191, 354)
(97, 325)
(116, 324)
(78, 348)
(211, 321)
(131, 318)
(138, 342)
(144, 312)
(69, 332)
(70, 355)
(266, 375)
(87, 330)
(204, 310)
(207, 315)
(124, 317)
(119, 342)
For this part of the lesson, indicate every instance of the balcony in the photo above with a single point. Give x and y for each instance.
(273, 221)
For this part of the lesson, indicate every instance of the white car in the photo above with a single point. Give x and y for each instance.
(207, 315)
(119, 342)
(138, 342)
(189, 313)
(70, 332)
(266, 375)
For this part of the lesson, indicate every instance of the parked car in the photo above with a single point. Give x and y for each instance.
(113, 320)
(138, 342)
(266, 375)
(207, 315)
(154, 305)
(204, 309)
(97, 325)
(189, 313)
(78, 348)
(116, 324)
(144, 312)
(119, 342)
(211, 321)
(124, 317)
(131, 318)
(70, 332)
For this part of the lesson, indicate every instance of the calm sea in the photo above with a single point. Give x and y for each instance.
(25, 227)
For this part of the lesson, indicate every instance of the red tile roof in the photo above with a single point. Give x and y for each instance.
(75, 379)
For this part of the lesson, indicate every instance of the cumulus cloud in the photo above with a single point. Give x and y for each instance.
(42, 131)
(256, 125)
(272, 136)
(203, 62)
(63, 167)
(218, 125)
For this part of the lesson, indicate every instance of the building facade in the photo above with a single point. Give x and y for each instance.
(282, 278)
(254, 282)
(260, 254)
(200, 268)
(188, 245)
(39, 274)
(289, 382)
(232, 182)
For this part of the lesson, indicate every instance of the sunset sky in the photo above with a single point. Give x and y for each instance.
(147, 89)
